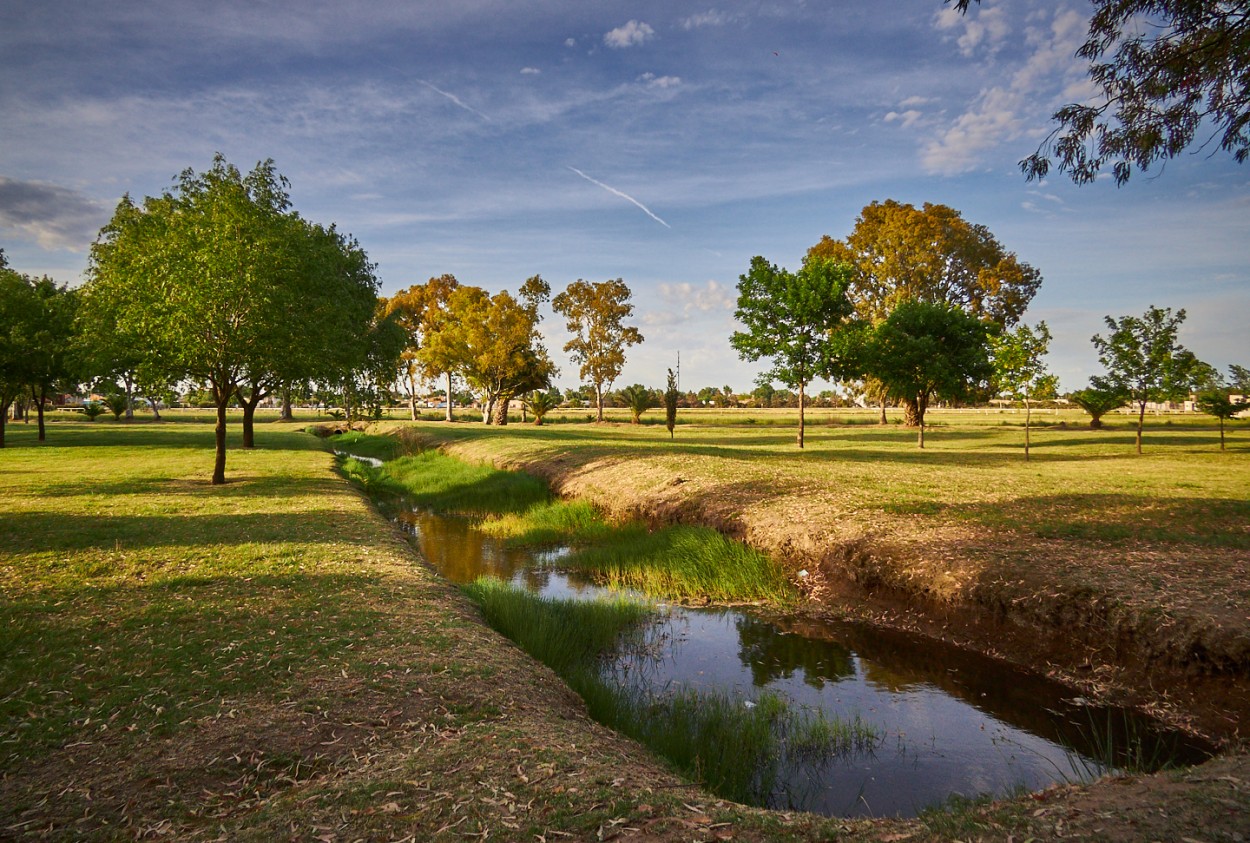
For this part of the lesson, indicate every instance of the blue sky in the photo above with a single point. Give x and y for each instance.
(665, 143)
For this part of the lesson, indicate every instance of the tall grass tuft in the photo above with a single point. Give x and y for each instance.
(736, 747)
(685, 563)
(549, 523)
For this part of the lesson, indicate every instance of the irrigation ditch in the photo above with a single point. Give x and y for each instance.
(759, 701)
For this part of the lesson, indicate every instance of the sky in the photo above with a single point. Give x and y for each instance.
(663, 143)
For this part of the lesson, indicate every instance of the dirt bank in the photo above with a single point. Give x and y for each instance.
(1144, 623)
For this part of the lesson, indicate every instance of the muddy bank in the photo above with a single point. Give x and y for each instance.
(1075, 610)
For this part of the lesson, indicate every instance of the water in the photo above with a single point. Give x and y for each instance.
(954, 722)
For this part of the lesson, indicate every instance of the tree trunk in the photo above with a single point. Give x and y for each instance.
(38, 401)
(249, 420)
(156, 412)
(500, 416)
(4, 420)
(222, 395)
(412, 395)
(599, 401)
(286, 414)
(449, 416)
(129, 379)
(913, 410)
(1026, 429)
(1221, 433)
(488, 411)
(1141, 420)
(802, 419)
(920, 434)
(883, 420)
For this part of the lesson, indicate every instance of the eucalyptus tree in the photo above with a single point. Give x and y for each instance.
(1165, 74)
(792, 318)
(595, 314)
(215, 273)
(418, 310)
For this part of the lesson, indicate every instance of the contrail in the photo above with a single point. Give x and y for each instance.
(625, 196)
(455, 99)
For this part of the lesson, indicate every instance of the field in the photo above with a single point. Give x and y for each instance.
(268, 659)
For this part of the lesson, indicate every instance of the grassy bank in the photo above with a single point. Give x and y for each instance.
(1092, 555)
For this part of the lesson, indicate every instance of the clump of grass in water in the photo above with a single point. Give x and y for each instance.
(375, 481)
(685, 563)
(734, 746)
(549, 523)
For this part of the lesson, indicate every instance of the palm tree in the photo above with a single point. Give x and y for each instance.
(541, 403)
(1098, 402)
(638, 399)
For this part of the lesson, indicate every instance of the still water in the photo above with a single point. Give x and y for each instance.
(954, 723)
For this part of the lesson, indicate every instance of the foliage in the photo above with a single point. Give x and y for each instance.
(217, 281)
(637, 399)
(1018, 368)
(924, 349)
(1218, 403)
(116, 403)
(670, 403)
(595, 313)
(1164, 69)
(793, 318)
(1143, 359)
(899, 252)
(92, 410)
(418, 310)
(494, 344)
(1098, 401)
(541, 402)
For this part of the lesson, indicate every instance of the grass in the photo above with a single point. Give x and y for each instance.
(735, 746)
(678, 563)
(684, 563)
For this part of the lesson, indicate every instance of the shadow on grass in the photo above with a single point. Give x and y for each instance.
(140, 434)
(236, 485)
(1210, 522)
(44, 531)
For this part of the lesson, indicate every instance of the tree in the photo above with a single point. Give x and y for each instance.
(1239, 379)
(922, 349)
(1019, 370)
(671, 394)
(214, 274)
(900, 253)
(792, 318)
(595, 314)
(1164, 70)
(1098, 401)
(541, 402)
(638, 399)
(1144, 361)
(494, 344)
(18, 317)
(418, 311)
(1218, 403)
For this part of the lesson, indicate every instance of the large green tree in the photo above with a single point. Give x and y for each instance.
(595, 314)
(792, 318)
(1019, 370)
(215, 275)
(924, 349)
(901, 253)
(1167, 74)
(1144, 361)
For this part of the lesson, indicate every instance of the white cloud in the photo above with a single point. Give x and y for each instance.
(570, 42)
(906, 118)
(530, 71)
(984, 29)
(654, 81)
(630, 35)
(1002, 113)
(709, 297)
(711, 17)
(914, 101)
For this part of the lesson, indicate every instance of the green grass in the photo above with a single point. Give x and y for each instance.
(735, 746)
(435, 481)
(550, 523)
(684, 563)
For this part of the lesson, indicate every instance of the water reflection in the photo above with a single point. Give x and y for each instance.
(954, 722)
